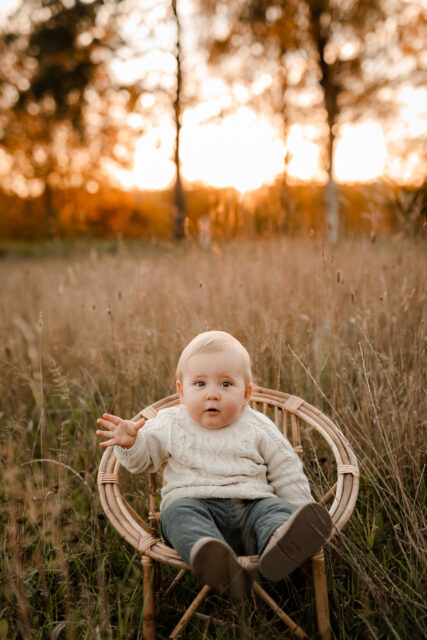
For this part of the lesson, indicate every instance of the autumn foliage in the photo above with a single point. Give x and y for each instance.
(292, 210)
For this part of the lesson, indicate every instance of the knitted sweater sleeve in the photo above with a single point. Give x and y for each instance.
(284, 468)
(150, 447)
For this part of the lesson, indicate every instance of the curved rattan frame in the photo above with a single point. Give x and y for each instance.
(139, 534)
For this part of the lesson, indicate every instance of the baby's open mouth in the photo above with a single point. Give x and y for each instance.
(212, 410)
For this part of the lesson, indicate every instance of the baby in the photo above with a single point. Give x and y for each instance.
(233, 483)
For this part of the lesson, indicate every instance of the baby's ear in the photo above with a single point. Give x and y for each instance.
(248, 392)
(180, 390)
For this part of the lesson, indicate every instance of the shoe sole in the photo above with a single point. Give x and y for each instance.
(303, 534)
(216, 565)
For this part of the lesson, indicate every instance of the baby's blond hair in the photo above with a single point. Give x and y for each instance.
(215, 341)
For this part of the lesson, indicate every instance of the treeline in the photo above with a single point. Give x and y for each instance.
(65, 116)
(213, 214)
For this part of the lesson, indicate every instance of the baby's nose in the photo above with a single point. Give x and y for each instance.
(212, 391)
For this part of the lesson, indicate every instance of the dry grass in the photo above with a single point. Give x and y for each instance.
(344, 329)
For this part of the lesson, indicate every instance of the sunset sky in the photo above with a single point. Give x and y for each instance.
(254, 149)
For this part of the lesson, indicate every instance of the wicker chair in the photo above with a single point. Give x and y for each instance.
(333, 479)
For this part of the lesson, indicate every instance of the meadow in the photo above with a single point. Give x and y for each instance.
(101, 327)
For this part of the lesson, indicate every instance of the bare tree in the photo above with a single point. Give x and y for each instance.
(60, 96)
(179, 199)
(319, 34)
(160, 32)
(54, 70)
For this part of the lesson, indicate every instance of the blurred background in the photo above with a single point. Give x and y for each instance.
(212, 119)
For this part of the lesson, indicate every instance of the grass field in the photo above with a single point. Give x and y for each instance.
(96, 329)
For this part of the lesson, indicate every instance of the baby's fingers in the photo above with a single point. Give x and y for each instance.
(139, 423)
(104, 434)
(112, 418)
(108, 443)
(106, 424)
(135, 425)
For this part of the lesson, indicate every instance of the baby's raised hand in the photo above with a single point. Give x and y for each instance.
(120, 432)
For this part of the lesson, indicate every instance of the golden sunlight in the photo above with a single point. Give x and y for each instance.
(304, 154)
(244, 151)
(360, 153)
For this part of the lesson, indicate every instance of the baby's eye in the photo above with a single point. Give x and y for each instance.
(226, 384)
(199, 383)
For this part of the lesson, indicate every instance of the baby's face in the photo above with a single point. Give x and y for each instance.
(213, 388)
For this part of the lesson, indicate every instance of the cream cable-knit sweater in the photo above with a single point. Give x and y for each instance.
(249, 459)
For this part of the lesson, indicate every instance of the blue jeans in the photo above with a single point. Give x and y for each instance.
(245, 525)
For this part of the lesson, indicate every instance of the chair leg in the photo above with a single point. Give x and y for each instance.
(296, 630)
(190, 611)
(149, 620)
(321, 595)
(175, 581)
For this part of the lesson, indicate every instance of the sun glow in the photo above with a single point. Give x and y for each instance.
(361, 153)
(244, 151)
(153, 168)
(304, 154)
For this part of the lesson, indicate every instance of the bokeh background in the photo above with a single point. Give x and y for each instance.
(150, 118)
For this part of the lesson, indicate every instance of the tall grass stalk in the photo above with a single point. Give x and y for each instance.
(342, 328)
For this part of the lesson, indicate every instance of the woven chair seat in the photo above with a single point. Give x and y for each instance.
(282, 408)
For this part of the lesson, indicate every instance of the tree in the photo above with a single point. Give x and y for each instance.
(404, 59)
(177, 106)
(328, 40)
(155, 42)
(334, 25)
(61, 96)
(54, 72)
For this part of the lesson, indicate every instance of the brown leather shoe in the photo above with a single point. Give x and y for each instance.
(215, 564)
(296, 540)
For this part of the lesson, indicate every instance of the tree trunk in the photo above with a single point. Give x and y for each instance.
(179, 198)
(330, 196)
(331, 89)
(49, 214)
(288, 221)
